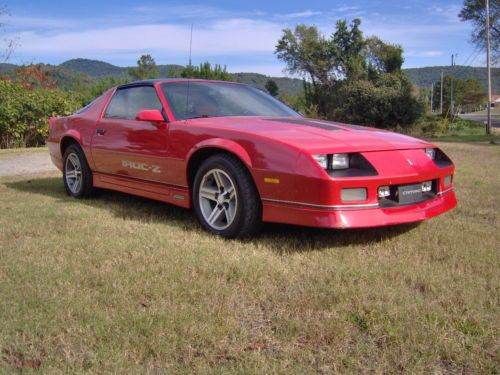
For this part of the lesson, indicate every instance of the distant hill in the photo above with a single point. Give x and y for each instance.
(95, 68)
(286, 86)
(4, 68)
(76, 72)
(99, 69)
(424, 77)
(67, 79)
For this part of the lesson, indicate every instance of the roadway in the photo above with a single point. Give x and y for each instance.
(495, 118)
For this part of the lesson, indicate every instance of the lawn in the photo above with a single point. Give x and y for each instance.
(118, 284)
(10, 152)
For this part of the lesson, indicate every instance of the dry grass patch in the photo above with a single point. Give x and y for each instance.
(118, 284)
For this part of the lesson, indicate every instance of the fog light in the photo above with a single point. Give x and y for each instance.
(447, 181)
(426, 186)
(350, 195)
(384, 191)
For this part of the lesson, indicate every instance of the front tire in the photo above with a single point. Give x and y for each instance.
(225, 199)
(77, 175)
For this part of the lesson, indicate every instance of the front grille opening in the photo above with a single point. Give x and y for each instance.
(403, 195)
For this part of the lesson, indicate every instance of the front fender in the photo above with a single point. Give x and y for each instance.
(224, 144)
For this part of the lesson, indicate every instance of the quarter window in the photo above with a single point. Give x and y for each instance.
(128, 101)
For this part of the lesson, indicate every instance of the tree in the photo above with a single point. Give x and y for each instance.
(384, 57)
(146, 68)
(348, 77)
(25, 112)
(34, 77)
(272, 88)
(10, 44)
(475, 12)
(467, 94)
(205, 71)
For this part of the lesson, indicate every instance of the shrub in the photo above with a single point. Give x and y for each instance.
(385, 103)
(25, 113)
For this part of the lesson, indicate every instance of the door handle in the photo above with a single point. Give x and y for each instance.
(100, 131)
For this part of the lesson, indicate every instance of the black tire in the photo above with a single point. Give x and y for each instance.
(247, 218)
(85, 187)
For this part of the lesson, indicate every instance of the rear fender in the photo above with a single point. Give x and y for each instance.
(75, 135)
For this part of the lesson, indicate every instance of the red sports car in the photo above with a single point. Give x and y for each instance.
(239, 157)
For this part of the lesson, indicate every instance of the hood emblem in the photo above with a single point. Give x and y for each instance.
(409, 162)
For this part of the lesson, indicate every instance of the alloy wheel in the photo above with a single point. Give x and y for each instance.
(73, 173)
(218, 199)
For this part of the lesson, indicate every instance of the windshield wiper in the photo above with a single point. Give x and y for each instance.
(200, 116)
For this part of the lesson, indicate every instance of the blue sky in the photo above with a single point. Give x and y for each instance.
(239, 34)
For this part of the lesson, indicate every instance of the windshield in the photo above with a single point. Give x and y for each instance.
(218, 99)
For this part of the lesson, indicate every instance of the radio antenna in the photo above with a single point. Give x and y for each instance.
(190, 44)
(189, 68)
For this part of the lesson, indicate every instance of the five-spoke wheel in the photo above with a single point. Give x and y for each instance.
(77, 175)
(225, 198)
(218, 199)
(73, 173)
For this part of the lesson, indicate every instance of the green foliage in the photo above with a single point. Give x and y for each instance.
(205, 71)
(94, 68)
(88, 93)
(383, 57)
(350, 78)
(425, 77)
(385, 102)
(475, 12)
(272, 87)
(467, 94)
(146, 68)
(286, 86)
(25, 113)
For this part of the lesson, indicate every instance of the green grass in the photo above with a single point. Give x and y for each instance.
(117, 284)
(468, 138)
(9, 152)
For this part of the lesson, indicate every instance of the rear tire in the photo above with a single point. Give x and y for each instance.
(225, 198)
(77, 176)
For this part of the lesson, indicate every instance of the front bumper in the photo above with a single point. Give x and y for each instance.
(356, 217)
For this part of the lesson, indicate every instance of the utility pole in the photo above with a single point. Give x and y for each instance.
(432, 97)
(488, 68)
(452, 103)
(441, 100)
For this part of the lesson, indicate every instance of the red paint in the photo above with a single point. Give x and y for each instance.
(124, 155)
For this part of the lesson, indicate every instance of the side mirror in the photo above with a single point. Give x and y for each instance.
(151, 115)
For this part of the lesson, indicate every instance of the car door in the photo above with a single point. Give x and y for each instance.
(124, 146)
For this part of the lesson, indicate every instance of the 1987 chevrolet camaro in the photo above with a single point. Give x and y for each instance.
(238, 157)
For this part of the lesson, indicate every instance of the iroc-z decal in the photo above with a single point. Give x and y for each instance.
(141, 166)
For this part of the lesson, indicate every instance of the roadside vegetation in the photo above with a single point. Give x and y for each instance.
(347, 77)
(118, 284)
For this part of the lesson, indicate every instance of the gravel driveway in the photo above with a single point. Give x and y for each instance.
(26, 163)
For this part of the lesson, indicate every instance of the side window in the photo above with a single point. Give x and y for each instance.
(127, 102)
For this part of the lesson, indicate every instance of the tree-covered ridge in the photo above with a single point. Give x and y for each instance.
(93, 69)
(425, 77)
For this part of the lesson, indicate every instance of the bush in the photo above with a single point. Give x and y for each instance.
(25, 113)
(385, 103)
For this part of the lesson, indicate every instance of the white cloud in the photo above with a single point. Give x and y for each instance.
(305, 14)
(424, 53)
(346, 8)
(225, 37)
(36, 22)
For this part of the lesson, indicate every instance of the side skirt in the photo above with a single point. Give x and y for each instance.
(177, 195)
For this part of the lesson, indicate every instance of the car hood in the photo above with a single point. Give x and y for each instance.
(316, 136)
